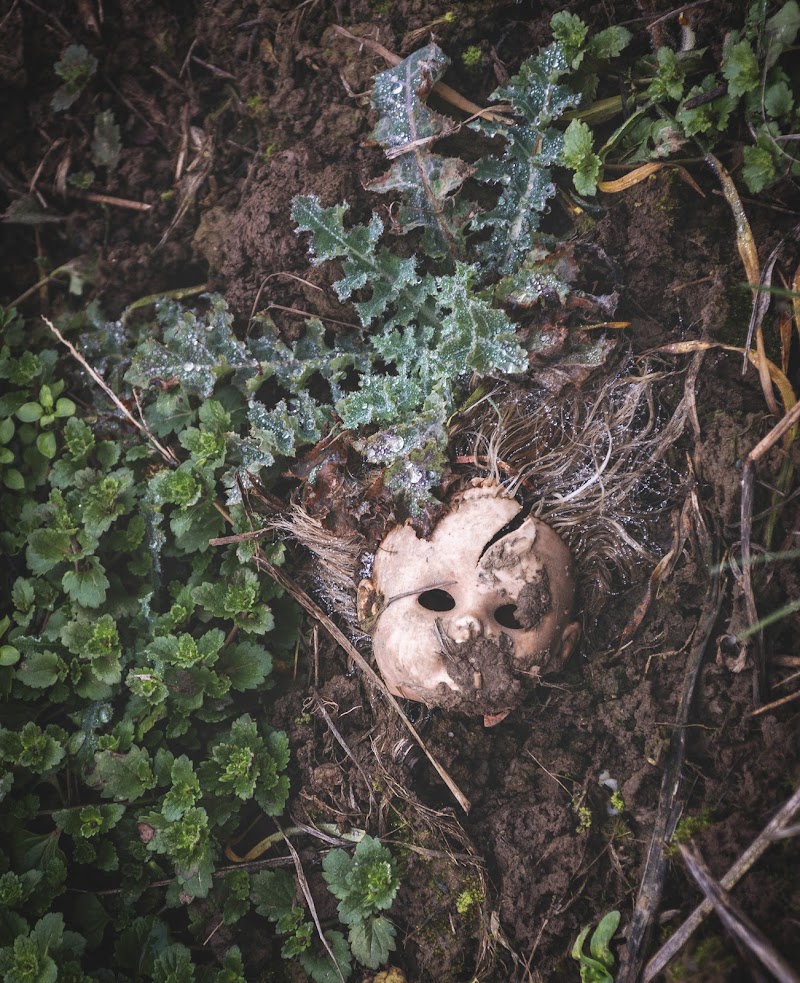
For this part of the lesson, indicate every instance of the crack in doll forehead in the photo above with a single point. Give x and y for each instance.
(511, 526)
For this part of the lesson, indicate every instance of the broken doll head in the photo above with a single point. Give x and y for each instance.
(470, 617)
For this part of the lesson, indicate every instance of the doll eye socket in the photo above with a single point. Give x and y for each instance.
(436, 600)
(506, 616)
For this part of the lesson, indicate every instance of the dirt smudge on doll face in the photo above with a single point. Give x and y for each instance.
(535, 601)
(485, 672)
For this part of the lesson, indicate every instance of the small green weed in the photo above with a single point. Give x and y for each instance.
(597, 966)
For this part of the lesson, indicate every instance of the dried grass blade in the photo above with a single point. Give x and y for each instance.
(642, 173)
(301, 876)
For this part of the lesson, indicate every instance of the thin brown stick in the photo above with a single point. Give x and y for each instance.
(165, 452)
(776, 703)
(338, 636)
(740, 927)
(670, 800)
(99, 199)
(773, 830)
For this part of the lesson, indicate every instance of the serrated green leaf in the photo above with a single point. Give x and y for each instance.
(532, 147)
(372, 940)
(319, 966)
(124, 777)
(740, 68)
(40, 670)
(88, 584)
(580, 157)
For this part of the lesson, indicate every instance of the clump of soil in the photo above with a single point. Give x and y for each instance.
(484, 671)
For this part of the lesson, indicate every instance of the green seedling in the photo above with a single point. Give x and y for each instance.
(597, 965)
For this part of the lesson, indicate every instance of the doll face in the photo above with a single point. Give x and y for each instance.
(465, 618)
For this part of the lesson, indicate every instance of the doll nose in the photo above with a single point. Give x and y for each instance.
(464, 627)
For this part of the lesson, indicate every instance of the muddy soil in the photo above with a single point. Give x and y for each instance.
(229, 109)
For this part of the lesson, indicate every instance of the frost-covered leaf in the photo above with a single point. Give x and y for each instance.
(533, 146)
(474, 337)
(406, 130)
(195, 352)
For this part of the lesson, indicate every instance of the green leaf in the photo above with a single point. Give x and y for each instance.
(372, 940)
(185, 790)
(778, 99)
(474, 336)
(365, 883)
(740, 68)
(781, 31)
(579, 155)
(75, 67)
(88, 584)
(31, 748)
(712, 115)
(759, 169)
(669, 80)
(46, 445)
(609, 43)
(319, 966)
(532, 148)
(273, 893)
(598, 944)
(41, 669)
(195, 353)
(124, 777)
(174, 965)
(570, 32)
(106, 144)
(246, 664)
(29, 412)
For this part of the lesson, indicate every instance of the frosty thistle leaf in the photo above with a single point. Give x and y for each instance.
(388, 277)
(532, 147)
(195, 353)
(474, 337)
(406, 130)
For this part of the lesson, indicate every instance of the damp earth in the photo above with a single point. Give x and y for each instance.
(266, 101)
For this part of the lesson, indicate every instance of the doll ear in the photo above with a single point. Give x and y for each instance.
(569, 640)
(369, 604)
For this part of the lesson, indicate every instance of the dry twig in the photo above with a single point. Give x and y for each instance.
(670, 800)
(739, 926)
(775, 829)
